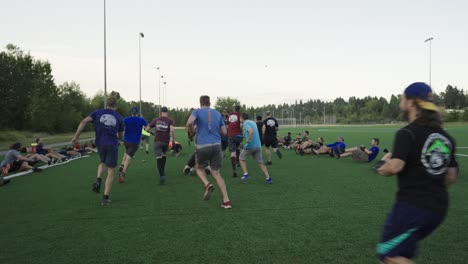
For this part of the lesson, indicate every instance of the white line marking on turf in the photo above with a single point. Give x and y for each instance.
(462, 147)
(463, 155)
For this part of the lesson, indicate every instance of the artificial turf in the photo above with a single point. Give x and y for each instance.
(318, 210)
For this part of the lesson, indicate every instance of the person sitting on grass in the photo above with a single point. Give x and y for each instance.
(363, 154)
(14, 161)
(308, 146)
(297, 141)
(175, 148)
(285, 142)
(48, 152)
(334, 149)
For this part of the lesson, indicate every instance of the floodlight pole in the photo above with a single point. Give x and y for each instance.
(140, 36)
(105, 58)
(430, 59)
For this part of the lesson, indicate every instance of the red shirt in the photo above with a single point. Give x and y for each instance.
(234, 124)
(162, 129)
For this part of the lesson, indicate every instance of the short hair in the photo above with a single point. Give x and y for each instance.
(307, 132)
(112, 102)
(259, 118)
(245, 116)
(237, 108)
(37, 140)
(16, 146)
(205, 100)
(321, 138)
(268, 113)
(377, 141)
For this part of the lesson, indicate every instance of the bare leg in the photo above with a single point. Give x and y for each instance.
(398, 260)
(127, 162)
(350, 150)
(243, 166)
(202, 175)
(221, 184)
(25, 166)
(268, 154)
(264, 170)
(109, 180)
(387, 156)
(100, 171)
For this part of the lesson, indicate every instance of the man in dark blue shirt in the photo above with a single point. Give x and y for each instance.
(362, 153)
(108, 125)
(132, 137)
(334, 149)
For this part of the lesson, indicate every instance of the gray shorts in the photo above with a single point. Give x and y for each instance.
(211, 154)
(160, 149)
(256, 153)
(360, 155)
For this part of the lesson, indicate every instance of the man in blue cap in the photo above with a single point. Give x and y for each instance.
(424, 162)
(132, 137)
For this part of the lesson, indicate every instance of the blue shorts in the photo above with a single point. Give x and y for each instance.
(109, 155)
(405, 226)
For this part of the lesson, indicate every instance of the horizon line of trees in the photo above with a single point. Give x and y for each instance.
(32, 101)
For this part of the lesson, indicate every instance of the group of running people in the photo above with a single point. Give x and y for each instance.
(422, 158)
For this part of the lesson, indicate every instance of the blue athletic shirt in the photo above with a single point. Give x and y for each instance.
(255, 143)
(107, 123)
(375, 151)
(337, 144)
(40, 149)
(133, 129)
(208, 122)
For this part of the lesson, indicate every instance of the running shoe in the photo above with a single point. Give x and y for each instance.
(162, 180)
(226, 205)
(186, 170)
(269, 181)
(105, 201)
(278, 153)
(4, 182)
(122, 177)
(245, 177)
(97, 187)
(208, 191)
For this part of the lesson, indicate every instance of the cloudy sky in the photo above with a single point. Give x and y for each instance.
(258, 51)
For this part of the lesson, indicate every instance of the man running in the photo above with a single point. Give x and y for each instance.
(164, 133)
(424, 162)
(108, 125)
(252, 148)
(269, 132)
(145, 136)
(234, 137)
(210, 126)
(259, 128)
(132, 137)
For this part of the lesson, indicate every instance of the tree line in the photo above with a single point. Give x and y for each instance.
(32, 101)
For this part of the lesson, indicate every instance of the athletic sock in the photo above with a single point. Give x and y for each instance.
(237, 155)
(98, 180)
(233, 163)
(159, 163)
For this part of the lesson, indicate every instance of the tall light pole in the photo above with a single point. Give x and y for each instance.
(430, 59)
(140, 36)
(165, 93)
(105, 58)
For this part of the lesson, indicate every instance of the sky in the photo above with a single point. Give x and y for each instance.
(261, 52)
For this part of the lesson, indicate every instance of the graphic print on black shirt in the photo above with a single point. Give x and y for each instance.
(428, 153)
(270, 126)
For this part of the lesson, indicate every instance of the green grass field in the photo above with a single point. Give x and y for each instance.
(318, 210)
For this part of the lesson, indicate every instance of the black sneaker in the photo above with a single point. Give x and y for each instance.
(301, 152)
(121, 168)
(234, 174)
(162, 180)
(97, 187)
(35, 169)
(147, 152)
(278, 153)
(105, 201)
(186, 170)
(269, 163)
(385, 151)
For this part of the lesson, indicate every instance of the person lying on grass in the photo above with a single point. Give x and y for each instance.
(334, 149)
(308, 146)
(48, 152)
(362, 153)
(14, 161)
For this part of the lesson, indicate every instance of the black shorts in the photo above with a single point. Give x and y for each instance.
(160, 149)
(271, 141)
(234, 143)
(405, 226)
(109, 155)
(15, 166)
(211, 154)
(131, 149)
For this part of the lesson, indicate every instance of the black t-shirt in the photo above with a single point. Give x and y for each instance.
(259, 126)
(428, 153)
(270, 124)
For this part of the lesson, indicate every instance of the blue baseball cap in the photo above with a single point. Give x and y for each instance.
(135, 110)
(423, 95)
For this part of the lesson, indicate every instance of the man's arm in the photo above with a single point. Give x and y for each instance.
(190, 121)
(452, 175)
(172, 133)
(223, 130)
(391, 167)
(81, 127)
(250, 135)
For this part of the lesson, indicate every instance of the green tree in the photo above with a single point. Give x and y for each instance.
(226, 103)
